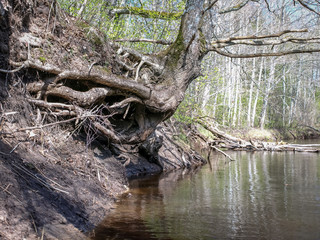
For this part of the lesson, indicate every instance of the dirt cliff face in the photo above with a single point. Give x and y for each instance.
(52, 183)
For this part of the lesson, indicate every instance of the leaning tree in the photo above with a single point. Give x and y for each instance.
(138, 91)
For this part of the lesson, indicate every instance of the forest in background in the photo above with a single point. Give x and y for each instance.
(234, 90)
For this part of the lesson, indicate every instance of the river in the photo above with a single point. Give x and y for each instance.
(261, 195)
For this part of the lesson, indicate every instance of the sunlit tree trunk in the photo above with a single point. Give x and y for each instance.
(267, 92)
(257, 94)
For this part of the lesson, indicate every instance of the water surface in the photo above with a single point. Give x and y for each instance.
(261, 195)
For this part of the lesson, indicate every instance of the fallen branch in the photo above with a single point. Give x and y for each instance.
(220, 151)
(230, 142)
(52, 124)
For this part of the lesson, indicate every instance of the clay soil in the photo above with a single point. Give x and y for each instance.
(56, 193)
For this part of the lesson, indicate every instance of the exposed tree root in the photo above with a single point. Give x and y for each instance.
(73, 94)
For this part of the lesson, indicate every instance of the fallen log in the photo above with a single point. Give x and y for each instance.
(228, 142)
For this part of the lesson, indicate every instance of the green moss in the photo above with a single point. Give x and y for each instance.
(95, 39)
(174, 51)
(92, 36)
(203, 42)
(83, 25)
(154, 14)
(43, 59)
(182, 137)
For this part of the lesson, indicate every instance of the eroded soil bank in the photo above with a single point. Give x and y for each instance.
(59, 193)
(55, 185)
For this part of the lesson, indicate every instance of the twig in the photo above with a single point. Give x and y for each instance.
(9, 113)
(126, 112)
(42, 233)
(52, 124)
(138, 69)
(220, 151)
(13, 71)
(307, 7)
(48, 178)
(162, 42)
(7, 191)
(4, 153)
(15, 147)
(90, 68)
(49, 15)
(7, 154)
(42, 182)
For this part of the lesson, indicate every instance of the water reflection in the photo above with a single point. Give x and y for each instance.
(260, 196)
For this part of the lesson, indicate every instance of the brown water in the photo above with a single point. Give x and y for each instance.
(261, 195)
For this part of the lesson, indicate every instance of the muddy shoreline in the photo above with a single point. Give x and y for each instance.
(42, 197)
(54, 185)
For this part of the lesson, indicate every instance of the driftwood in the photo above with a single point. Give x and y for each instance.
(228, 142)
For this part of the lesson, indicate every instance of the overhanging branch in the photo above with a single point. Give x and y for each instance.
(236, 7)
(273, 54)
(305, 5)
(254, 37)
(264, 40)
(145, 13)
(162, 42)
(221, 44)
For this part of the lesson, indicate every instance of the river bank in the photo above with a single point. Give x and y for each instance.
(58, 178)
(58, 185)
(55, 184)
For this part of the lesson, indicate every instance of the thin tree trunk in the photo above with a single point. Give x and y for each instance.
(266, 96)
(83, 6)
(284, 104)
(253, 76)
(257, 95)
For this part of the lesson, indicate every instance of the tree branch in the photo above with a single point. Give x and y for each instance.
(162, 42)
(146, 13)
(210, 6)
(222, 44)
(275, 35)
(264, 41)
(273, 54)
(236, 7)
(305, 5)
